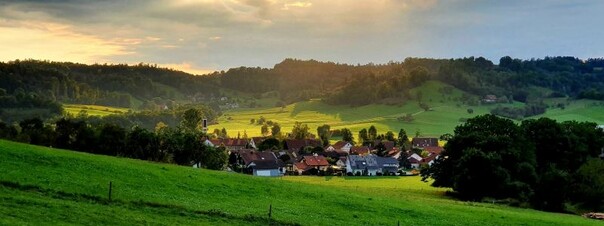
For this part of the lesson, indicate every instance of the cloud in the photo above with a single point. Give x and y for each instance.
(58, 42)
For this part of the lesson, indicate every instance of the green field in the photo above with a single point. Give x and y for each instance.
(445, 114)
(93, 110)
(49, 186)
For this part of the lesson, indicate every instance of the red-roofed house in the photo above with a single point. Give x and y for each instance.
(232, 144)
(317, 162)
(343, 146)
(362, 150)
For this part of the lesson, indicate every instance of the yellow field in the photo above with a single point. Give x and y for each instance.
(93, 110)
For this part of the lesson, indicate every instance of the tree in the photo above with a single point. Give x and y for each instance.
(300, 131)
(389, 136)
(372, 133)
(276, 130)
(113, 140)
(589, 185)
(264, 130)
(470, 110)
(252, 121)
(402, 138)
(424, 106)
(363, 136)
(223, 133)
(485, 162)
(214, 158)
(347, 136)
(191, 120)
(324, 134)
(270, 143)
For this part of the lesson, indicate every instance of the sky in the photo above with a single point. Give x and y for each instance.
(200, 36)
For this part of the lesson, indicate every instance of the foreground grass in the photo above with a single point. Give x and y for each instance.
(42, 185)
(93, 110)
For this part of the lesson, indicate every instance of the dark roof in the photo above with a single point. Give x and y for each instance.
(387, 162)
(359, 150)
(425, 142)
(316, 161)
(257, 157)
(299, 144)
(264, 164)
(363, 162)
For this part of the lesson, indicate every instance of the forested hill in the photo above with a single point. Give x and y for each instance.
(40, 83)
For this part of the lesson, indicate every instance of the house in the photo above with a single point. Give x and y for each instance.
(434, 150)
(362, 150)
(311, 162)
(341, 162)
(424, 142)
(429, 160)
(255, 141)
(342, 146)
(299, 144)
(415, 160)
(260, 163)
(366, 165)
(489, 99)
(387, 165)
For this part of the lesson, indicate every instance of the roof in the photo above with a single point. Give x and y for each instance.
(362, 150)
(301, 166)
(434, 150)
(299, 144)
(387, 162)
(252, 156)
(416, 157)
(429, 158)
(363, 162)
(264, 164)
(425, 142)
(340, 144)
(316, 160)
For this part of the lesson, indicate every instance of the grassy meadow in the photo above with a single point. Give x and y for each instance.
(93, 110)
(445, 114)
(41, 185)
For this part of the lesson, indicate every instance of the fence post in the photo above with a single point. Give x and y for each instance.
(398, 223)
(270, 213)
(110, 189)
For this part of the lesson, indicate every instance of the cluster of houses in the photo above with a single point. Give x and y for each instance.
(341, 158)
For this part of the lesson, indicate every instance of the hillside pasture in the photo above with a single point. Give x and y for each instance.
(45, 185)
(93, 110)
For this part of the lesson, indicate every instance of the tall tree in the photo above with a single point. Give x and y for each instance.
(300, 131)
(372, 133)
(191, 120)
(324, 134)
(347, 136)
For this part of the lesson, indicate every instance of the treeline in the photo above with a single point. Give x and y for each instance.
(540, 163)
(179, 145)
(113, 85)
(149, 119)
(295, 80)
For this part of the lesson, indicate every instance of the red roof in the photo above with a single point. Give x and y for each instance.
(301, 165)
(316, 160)
(360, 150)
(434, 150)
(339, 144)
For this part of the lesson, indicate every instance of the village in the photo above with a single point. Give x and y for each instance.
(310, 157)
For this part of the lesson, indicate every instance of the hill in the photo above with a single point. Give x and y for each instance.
(446, 112)
(44, 185)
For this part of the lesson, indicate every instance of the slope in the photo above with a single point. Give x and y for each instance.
(44, 185)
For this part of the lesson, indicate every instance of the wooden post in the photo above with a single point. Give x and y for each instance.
(110, 188)
(398, 223)
(270, 213)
